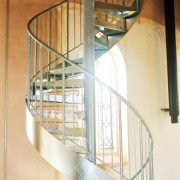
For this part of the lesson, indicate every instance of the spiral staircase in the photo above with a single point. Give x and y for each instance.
(114, 142)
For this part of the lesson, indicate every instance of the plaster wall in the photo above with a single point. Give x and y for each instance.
(22, 161)
(144, 52)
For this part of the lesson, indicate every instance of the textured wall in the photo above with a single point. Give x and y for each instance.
(145, 57)
(144, 66)
(144, 51)
(23, 162)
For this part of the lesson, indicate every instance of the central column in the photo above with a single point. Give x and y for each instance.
(89, 85)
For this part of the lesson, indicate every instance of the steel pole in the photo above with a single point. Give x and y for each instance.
(89, 91)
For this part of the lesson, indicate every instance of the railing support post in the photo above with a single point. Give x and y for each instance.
(89, 91)
(28, 70)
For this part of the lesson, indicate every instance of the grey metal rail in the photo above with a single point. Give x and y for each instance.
(55, 44)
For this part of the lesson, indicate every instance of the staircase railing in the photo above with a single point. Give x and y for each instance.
(55, 96)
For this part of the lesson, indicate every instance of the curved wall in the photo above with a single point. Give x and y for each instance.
(145, 56)
(23, 162)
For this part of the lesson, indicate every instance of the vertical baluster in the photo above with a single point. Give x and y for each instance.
(61, 39)
(55, 83)
(74, 26)
(68, 28)
(151, 160)
(63, 99)
(125, 24)
(146, 154)
(28, 69)
(49, 55)
(102, 119)
(74, 34)
(121, 140)
(129, 143)
(80, 21)
(138, 5)
(135, 144)
(111, 129)
(41, 85)
(73, 106)
(149, 153)
(35, 60)
(141, 149)
(82, 123)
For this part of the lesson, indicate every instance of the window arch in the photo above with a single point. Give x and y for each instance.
(110, 68)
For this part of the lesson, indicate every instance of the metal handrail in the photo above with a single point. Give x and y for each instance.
(96, 79)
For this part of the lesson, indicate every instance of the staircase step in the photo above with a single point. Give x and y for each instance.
(118, 28)
(100, 44)
(100, 52)
(56, 105)
(109, 21)
(58, 98)
(49, 120)
(57, 92)
(113, 39)
(77, 61)
(69, 83)
(103, 5)
(75, 132)
(111, 32)
(118, 13)
(67, 70)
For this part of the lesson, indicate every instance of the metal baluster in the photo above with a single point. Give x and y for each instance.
(61, 30)
(121, 140)
(41, 85)
(35, 60)
(111, 129)
(49, 55)
(74, 33)
(135, 145)
(55, 84)
(151, 161)
(67, 28)
(80, 22)
(74, 25)
(138, 5)
(102, 102)
(129, 144)
(63, 100)
(82, 123)
(28, 69)
(141, 149)
(150, 172)
(146, 154)
(73, 106)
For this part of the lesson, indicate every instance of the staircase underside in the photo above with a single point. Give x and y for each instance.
(74, 166)
(59, 95)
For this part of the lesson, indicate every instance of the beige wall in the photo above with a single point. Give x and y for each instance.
(145, 56)
(23, 162)
(144, 52)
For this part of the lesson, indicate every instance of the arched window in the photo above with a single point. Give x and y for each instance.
(110, 68)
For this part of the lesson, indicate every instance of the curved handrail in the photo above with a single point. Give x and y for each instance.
(92, 76)
(80, 68)
(107, 87)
